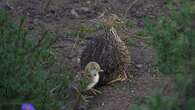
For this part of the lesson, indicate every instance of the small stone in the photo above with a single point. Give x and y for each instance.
(85, 9)
(74, 13)
(141, 43)
(28, 14)
(139, 65)
(103, 103)
(36, 21)
(88, 2)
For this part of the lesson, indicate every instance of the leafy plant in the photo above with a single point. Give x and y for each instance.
(173, 40)
(158, 102)
(23, 67)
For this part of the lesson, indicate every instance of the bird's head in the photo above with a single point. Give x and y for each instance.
(112, 20)
(93, 68)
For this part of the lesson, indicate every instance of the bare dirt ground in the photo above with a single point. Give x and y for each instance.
(61, 16)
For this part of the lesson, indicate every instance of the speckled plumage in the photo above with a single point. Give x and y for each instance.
(109, 51)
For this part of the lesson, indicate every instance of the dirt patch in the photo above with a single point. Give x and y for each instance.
(61, 16)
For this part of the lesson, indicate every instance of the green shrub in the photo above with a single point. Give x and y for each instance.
(158, 102)
(24, 76)
(173, 39)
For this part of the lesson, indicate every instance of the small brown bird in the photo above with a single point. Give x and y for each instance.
(109, 51)
(84, 81)
(90, 75)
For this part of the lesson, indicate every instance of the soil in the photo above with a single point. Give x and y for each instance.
(61, 16)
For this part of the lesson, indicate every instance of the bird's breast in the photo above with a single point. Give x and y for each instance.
(96, 78)
(94, 81)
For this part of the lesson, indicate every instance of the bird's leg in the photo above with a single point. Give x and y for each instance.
(124, 76)
(95, 91)
(83, 97)
(115, 80)
(120, 77)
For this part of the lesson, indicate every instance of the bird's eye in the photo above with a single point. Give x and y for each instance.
(94, 74)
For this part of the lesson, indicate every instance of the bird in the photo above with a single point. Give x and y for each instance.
(90, 76)
(84, 81)
(109, 51)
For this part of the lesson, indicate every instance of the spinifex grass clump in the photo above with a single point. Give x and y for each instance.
(23, 74)
(172, 37)
(158, 102)
(174, 41)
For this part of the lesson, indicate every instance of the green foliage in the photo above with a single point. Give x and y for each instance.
(190, 104)
(158, 102)
(141, 33)
(182, 81)
(130, 41)
(173, 38)
(128, 23)
(23, 67)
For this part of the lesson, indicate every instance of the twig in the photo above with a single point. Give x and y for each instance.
(74, 46)
(131, 5)
(40, 40)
